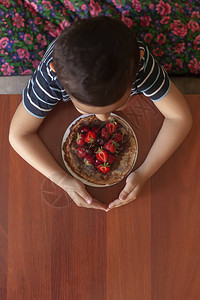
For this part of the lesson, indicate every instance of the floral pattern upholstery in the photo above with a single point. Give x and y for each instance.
(171, 29)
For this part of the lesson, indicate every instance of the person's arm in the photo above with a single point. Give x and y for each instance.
(24, 139)
(176, 126)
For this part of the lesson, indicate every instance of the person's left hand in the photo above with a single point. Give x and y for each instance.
(134, 184)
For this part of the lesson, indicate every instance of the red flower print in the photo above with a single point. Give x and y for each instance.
(23, 53)
(145, 20)
(41, 40)
(118, 3)
(194, 26)
(168, 67)
(5, 3)
(165, 20)
(95, 8)
(179, 48)
(151, 6)
(163, 8)
(84, 7)
(41, 53)
(7, 69)
(161, 39)
(68, 4)
(148, 37)
(194, 66)
(35, 63)
(32, 7)
(158, 52)
(3, 42)
(178, 28)
(179, 63)
(52, 30)
(196, 14)
(127, 20)
(47, 4)
(64, 24)
(28, 38)
(37, 21)
(18, 21)
(196, 42)
(136, 5)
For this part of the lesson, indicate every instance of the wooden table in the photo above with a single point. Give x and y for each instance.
(147, 250)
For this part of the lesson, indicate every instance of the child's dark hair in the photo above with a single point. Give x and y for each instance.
(96, 60)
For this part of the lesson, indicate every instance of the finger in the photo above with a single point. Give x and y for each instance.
(126, 191)
(119, 202)
(114, 203)
(132, 196)
(98, 205)
(93, 203)
(83, 194)
(82, 203)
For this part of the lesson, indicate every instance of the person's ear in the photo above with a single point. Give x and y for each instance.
(52, 66)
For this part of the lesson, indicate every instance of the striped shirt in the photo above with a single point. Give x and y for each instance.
(44, 90)
(151, 80)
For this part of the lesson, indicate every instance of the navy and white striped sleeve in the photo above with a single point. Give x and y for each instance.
(41, 94)
(153, 80)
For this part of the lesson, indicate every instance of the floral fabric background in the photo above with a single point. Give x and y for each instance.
(171, 29)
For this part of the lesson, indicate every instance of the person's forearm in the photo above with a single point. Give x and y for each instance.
(31, 149)
(171, 135)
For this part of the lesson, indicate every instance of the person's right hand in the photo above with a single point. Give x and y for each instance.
(76, 190)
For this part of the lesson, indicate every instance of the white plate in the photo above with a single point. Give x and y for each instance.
(77, 176)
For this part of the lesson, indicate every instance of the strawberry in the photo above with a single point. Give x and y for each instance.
(80, 140)
(111, 126)
(117, 137)
(102, 155)
(104, 168)
(90, 137)
(81, 152)
(104, 133)
(111, 146)
(89, 160)
(110, 159)
(84, 129)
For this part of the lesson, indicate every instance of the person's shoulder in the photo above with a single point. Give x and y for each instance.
(44, 65)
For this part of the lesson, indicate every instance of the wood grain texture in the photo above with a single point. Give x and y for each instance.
(147, 250)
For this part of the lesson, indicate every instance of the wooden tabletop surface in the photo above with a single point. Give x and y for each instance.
(149, 249)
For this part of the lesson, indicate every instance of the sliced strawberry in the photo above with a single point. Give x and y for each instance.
(102, 155)
(80, 140)
(111, 158)
(104, 133)
(90, 137)
(111, 126)
(89, 160)
(117, 137)
(111, 146)
(81, 152)
(104, 168)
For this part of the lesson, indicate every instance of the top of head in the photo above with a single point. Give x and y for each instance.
(96, 60)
